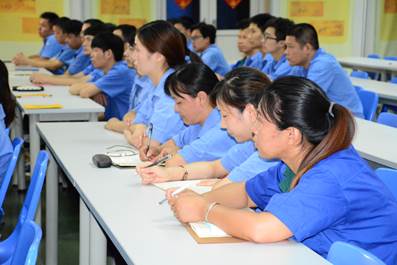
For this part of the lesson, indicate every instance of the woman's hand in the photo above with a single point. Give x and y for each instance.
(187, 206)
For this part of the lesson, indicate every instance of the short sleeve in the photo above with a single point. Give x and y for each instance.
(237, 155)
(113, 83)
(312, 206)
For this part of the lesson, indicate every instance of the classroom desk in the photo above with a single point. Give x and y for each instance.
(370, 64)
(74, 108)
(128, 212)
(376, 142)
(386, 91)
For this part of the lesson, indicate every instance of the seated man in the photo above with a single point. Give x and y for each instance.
(303, 50)
(117, 79)
(245, 46)
(203, 37)
(83, 76)
(51, 46)
(60, 62)
(274, 35)
(184, 25)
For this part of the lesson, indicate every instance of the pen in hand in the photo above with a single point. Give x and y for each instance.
(176, 192)
(149, 134)
(161, 160)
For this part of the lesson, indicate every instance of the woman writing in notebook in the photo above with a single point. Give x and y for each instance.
(237, 98)
(159, 48)
(321, 192)
(203, 140)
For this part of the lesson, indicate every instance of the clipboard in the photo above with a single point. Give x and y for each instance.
(211, 240)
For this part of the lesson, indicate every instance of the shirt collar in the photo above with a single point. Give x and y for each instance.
(210, 122)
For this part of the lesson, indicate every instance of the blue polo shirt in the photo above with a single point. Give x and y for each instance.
(5, 145)
(339, 199)
(275, 69)
(254, 61)
(51, 47)
(158, 109)
(80, 62)
(265, 60)
(326, 72)
(116, 85)
(205, 142)
(214, 59)
(65, 56)
(242, 161)
(140, 91)
(93, 72)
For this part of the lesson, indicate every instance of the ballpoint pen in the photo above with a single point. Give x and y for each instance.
(176, 192)
(149, 132)
(161, 160)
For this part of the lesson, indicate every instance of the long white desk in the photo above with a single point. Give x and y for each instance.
(74, 108)
(376, 142)
(128, 212)
(387, 91)
(370, 64)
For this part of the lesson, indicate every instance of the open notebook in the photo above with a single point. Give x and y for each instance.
(126, 161)
(202, 232)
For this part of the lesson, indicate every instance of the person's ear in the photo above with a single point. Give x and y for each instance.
(202, 97)
(251, 111)
(294, 136)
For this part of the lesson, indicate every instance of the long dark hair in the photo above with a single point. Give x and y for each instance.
(6, 98)
(240, 87)
(162, 37)
(300, 103)
(190, 79)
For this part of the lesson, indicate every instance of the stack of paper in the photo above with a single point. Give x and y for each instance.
(126, 161)
(204, 229)
(190, 184)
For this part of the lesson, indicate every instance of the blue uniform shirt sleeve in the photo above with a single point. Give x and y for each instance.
(237, 155)
(5, 145)
(51, 47)
(250, 168)
(79, 63)
(186, 136)
(113, 83)
(210, 146)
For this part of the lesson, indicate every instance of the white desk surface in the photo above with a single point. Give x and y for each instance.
(60, 95)
(143, 231)
(385, 90)
(376, 142)
(368, 63)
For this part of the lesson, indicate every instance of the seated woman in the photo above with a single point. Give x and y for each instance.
(204, 139)
(237, 97)
(322, 191)
(7, 114)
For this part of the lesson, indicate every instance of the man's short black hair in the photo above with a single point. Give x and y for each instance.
(94, 30)
(93, 21)
(260, 20)
(50, 16)
(61, 23)
(305, 33)
(206, 30)
(73, 26)
(108, 41)
(243, 24)
(282, 26)
(128, 32)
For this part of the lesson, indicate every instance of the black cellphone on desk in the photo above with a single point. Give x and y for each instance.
(101, 160)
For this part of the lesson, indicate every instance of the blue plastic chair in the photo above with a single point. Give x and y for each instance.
(373, 75)
(28, 244)
(386, 107)
(394, 80)
(388, 118)
(370, 101)
(390, 58)
(29, 207)
(389, 177)
(359, 74)
(342, 253)
(5, 182)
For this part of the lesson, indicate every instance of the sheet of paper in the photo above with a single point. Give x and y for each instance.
(126, 161)
(192, 184)
(204, 229)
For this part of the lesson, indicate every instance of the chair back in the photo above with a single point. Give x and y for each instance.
(374, 56)
(388, 118)
(370, 101)
(389, 177)
(393, 80)
(372, 75)
(32, 198)
(5, 182)
(28, 244)
(342, 253)
(359, 74)
(390, 58)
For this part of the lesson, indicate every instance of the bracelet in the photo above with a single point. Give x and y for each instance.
(184, 177)
(212, 205)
